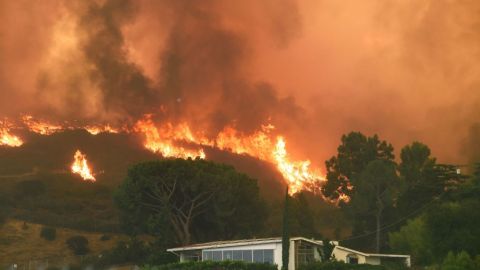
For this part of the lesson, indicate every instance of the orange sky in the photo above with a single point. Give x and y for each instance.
(407, 70)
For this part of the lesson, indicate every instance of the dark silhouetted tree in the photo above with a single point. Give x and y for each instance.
(190, 200)
(286, 232)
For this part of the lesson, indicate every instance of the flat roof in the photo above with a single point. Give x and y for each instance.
(373, 254)
(244, 242)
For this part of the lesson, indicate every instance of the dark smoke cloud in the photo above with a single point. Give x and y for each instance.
(316, 69)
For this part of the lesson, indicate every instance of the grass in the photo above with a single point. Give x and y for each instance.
(19, 243)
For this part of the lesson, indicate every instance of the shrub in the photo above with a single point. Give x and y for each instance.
(339, 265)
(78, 244)
(209, 265)
(48, 233)
(461, 261)
(105, 237)
(29, 188)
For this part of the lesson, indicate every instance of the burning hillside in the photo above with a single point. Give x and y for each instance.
(179, 141)
(198, 95)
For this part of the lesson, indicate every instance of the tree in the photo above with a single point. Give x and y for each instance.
(414, 239)
(300, 214)
(78, 244)
(286, 232)
(454, 226)
(190, 200)
(326, 250)
(48, 233)
(419, 177)
(355, 152)
(344, 177)
(461, 261)
(376, 189)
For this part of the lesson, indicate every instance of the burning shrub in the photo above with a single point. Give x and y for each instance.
(78, 244)
(48, 233)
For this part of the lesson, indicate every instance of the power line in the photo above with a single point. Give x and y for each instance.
(394, 223)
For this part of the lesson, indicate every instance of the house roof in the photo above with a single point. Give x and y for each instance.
(372, 254)
(244, 242)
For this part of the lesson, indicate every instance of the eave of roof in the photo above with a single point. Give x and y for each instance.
(245, 242)
(373, 254)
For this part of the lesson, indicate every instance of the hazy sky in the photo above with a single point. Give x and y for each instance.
(406, 70)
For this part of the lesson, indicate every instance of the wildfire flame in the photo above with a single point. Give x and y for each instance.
(41, 127)
(180, 141)
(260, 144)
(94, 130)
(163, 140)
(8, 139)
(47, 128)
(80, 166)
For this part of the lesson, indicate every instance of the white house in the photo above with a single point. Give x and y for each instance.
(269, 250)
(356, 257)
(265, 250)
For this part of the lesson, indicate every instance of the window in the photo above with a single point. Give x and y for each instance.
(268, 256)
(304, 252)
(352, 259)
(207, 256)
(247, 255)
(256, 255)
(216, 255)
(227, 255)
(237, 255)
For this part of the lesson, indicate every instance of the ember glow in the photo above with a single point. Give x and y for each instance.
(47, 128)
(80, 167)
(94, 130)
(41, 127)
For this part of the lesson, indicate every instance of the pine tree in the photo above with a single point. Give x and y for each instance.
(286, 233)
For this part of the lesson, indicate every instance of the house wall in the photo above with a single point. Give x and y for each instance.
(277, 250)
(373, 260)
(276, 247)
(341, 255)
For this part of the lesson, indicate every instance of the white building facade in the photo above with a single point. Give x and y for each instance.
(266, 250)
(356, 257)
(269, 250)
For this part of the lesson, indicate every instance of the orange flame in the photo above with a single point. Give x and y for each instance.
(80, 167)
(163, 141)
(41, 127)
(169, 141)
(94, 130)
(260, 144)
(8, 139)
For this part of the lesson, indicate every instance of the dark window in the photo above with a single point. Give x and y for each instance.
(258, 255)
(352, 259)
(227, 255)
(237, 255)
(268, 256)
(216, 255)
(207, 256)
(247, 255)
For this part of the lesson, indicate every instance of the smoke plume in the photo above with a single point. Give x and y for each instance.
(315, 69)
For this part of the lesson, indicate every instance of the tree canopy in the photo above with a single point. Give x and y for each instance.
(182, 201)
(355, 152)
